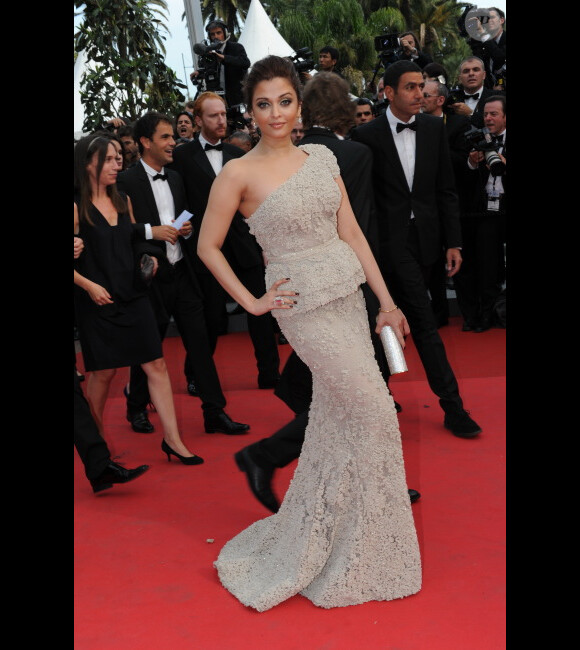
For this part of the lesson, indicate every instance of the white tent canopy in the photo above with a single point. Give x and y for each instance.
(259, 36)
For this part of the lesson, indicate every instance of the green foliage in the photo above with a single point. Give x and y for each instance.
(351, 25)
(127, 76)
(227, 10)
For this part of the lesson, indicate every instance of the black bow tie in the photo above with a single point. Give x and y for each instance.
(401, 126)
(208, 146)
(163, 177)
(498, 139)
(476, 96)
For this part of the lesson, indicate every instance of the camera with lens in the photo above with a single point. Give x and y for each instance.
(302, 61)
(482, 140)
(235, 117)
(389, 48)
(455, 96)
(208, 66)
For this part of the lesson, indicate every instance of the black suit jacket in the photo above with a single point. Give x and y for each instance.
(235, 63)
(432, 199)
(135, 183)
(488, 52)
(355, 161)
(190, 161)
(459, 148)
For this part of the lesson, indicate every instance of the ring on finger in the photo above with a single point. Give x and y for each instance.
(278, 300)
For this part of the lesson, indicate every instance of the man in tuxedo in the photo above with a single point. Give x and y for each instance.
(417, 210)
(158, 198)
(471, 78)
(260, 459)
(198, 162)
(483, 226)
(435, 95)
(233, 62)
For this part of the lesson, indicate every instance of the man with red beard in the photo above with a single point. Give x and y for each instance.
(199, 162)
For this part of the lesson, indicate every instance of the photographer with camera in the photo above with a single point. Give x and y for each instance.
(483, 224)
(222, 64)
(490, 46)
(411, 51)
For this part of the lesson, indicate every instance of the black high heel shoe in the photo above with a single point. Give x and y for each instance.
(186, 460)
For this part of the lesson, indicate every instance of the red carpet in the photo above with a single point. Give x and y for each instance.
(144, 578)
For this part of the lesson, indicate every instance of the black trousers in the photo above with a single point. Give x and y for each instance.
(90, 445)
(478, 283)
(407, 281)
(181, 298)
(260, 328)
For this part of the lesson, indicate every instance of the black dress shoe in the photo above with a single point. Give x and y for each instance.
(115, 473)
(398, 407)
(414, 495)
(259, 479)
(140, 422)
(467, 327)
(223, 423)
(192, 388)
(483, 325)
(460, 424)
(282, 340)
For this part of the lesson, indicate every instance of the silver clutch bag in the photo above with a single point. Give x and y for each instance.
(393, 351)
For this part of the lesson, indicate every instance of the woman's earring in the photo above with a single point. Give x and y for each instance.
(300, 119)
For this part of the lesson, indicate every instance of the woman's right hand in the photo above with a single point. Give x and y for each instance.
(274, 298)
(79, 245)
(99, 295)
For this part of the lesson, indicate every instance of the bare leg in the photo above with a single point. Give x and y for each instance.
(98, 384)
(162, 397)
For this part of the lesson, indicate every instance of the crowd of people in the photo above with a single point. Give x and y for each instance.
(324, 217)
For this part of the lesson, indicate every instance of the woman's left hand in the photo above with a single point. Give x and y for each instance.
(395, 319)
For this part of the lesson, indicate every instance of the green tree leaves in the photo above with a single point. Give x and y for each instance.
(127, 75)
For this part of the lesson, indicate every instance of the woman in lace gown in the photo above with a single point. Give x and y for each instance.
(344, 533)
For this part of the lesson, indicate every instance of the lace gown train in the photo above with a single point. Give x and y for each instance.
(344, 533)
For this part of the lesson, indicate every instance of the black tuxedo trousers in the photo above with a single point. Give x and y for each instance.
(178, 297)
(90, 445)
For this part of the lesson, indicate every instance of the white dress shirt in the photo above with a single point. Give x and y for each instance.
(472, 103)
(165, 207)
(214, 156)
(405, 142)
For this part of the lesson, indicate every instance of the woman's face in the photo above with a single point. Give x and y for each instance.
(110, 168)
(119, 154)
(275, 107)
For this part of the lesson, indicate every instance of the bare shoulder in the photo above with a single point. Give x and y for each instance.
(239, 170)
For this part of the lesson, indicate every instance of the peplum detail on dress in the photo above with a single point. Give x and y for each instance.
(296, 227)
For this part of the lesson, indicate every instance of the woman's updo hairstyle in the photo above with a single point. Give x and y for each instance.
(267, 69)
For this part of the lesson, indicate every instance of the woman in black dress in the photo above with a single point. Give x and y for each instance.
(116, 323)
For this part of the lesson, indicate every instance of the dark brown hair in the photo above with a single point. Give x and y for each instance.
(266, 69)
(96, 144)
(327, 103)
